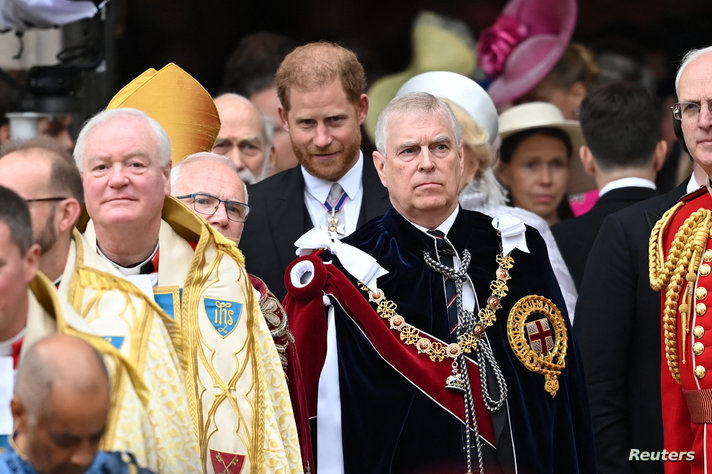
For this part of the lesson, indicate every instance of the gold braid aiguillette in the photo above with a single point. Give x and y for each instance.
(678, 270)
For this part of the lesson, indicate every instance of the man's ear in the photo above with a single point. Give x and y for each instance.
(589, 164)
(69, 214)
(19, 414)
(379, 161)
(167, 178)
(362, 109)
(660, 155)
(32, 262)
(283, 117)
(461, 158)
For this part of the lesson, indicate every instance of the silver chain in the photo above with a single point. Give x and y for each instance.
(467, 320)
(470, 414)
(485, 359)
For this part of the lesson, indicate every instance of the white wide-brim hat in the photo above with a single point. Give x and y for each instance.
(546, 115)
(461, 90)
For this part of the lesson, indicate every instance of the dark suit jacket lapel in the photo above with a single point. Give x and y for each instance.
(375, 195)
(653, 215)
(287, 221)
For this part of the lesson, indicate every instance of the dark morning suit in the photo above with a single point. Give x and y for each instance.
(618, 327)
(575, 236)
(278, 217)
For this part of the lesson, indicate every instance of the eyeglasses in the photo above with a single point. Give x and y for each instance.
(55, 198)
(207, 204)
(688, 110)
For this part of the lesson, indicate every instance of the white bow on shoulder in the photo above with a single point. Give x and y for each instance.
(358, 263)
(512, 230)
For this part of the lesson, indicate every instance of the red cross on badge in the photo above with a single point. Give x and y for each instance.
(539, 334)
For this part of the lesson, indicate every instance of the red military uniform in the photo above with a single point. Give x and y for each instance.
(680, 267)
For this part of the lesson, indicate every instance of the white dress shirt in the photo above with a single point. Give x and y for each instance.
(692, 185)
(316, 190)
(329, 439)
(631, 182)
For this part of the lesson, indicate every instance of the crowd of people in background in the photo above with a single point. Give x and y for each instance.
(494, 261)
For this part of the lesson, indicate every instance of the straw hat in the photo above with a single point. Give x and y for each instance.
(463, 91)
(544, 114)
(439, 43)
(179, 103)
(524, 45)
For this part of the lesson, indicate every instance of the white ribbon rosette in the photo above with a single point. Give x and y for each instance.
(512, 230)
(359, 264)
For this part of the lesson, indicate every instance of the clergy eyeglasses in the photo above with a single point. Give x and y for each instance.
(207, 204)
(689, 110)
(54, 198)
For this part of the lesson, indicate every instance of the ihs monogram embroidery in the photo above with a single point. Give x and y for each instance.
(223, 315)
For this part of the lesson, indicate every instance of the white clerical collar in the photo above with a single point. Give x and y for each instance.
(631, 182)
(132, 270)
(350, 182)
(444, 227)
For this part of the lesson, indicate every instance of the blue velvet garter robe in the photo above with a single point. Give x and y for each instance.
(396, 413)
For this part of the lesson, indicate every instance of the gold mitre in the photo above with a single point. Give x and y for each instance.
(177, 101)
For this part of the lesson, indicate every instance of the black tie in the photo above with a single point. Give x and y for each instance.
(445, 257)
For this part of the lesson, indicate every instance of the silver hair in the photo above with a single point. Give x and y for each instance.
(106, 116)
(689, 57)
(420, 103)
(177, 170)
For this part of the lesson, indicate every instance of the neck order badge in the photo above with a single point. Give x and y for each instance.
(333, 204)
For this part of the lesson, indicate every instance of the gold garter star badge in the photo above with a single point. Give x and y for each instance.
(537, 335)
